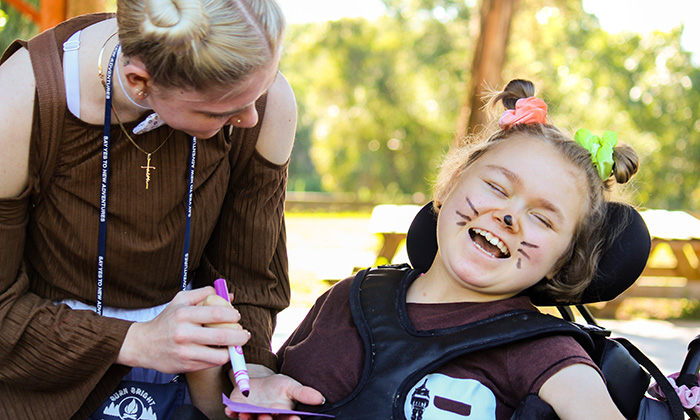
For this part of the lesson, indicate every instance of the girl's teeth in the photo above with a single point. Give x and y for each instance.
(493, 240)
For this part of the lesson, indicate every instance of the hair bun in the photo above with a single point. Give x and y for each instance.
(514, 90)
(626, 163)
(175, 22)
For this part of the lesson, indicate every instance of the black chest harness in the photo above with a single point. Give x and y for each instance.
(397, 356)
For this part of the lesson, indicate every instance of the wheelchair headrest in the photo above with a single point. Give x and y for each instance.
(619, 267)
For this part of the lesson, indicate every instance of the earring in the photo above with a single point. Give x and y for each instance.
(508, 220)
(238, 121)
(142, 94)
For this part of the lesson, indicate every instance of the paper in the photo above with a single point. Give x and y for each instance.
(254, 409)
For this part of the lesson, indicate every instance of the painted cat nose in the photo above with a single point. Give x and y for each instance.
(508, 220)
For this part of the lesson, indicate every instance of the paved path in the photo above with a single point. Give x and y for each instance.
(664, 342)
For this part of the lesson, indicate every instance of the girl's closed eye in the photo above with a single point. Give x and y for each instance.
(543, 220)
(497, 188)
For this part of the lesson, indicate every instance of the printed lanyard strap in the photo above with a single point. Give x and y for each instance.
(102, 241)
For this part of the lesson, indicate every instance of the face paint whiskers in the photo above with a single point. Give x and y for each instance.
(463, 216)
(471, 205)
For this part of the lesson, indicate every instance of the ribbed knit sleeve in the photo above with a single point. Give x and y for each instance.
(51, 357)
(47, 352)
(248, 248)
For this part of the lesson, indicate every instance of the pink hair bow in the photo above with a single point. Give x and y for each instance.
(527, 111)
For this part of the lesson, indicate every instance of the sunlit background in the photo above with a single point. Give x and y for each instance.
(615, 15)
(379, 86)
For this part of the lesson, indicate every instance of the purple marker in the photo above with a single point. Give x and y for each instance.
(240, 371)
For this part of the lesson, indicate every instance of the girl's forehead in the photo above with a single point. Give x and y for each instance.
(535, 164)
(518, 143)
(527, 152)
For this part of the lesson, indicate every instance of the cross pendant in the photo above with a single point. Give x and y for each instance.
(148, 168)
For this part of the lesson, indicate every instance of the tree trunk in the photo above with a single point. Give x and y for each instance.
(487, 64)
(81, 7)
(53, 12)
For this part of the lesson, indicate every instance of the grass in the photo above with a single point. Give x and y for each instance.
(326, 246)
(659, 308)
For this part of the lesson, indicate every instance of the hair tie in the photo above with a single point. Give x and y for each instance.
(527, 111)
(601, 149)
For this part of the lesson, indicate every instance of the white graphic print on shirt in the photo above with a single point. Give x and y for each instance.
(440, 397)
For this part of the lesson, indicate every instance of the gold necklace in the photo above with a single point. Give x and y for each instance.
(148, 166)
(99, 61)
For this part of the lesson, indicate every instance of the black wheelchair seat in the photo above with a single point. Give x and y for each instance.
(626, 370)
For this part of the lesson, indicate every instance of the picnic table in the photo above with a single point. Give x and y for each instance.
(391, 222)
(673, 269)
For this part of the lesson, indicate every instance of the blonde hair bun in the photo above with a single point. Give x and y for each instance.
(175, 21)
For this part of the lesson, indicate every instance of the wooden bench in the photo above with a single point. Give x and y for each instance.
(391, 222)
(673, 269)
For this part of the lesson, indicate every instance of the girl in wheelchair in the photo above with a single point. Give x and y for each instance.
(523, 210)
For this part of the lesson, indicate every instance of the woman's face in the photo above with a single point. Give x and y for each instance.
(203, 113)
(510, 218)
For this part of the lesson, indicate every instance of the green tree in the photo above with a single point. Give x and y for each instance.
(14, 25)
(378, 98)
(644, 87)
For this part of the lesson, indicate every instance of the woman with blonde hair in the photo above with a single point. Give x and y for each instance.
(143, 155)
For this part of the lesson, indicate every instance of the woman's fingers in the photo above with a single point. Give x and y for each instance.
(191, 333)
(194, 296)
(199, 334)
(210, 314)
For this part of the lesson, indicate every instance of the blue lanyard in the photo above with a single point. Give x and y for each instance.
(102, 241)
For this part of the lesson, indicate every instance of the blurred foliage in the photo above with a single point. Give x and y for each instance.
(14, 25)
(642, 86)
(378, 100)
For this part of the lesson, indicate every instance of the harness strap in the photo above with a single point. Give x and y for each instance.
(51, 98)
(397, 355)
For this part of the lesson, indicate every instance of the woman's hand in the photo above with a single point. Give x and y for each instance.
(268, 389)
(178, 341)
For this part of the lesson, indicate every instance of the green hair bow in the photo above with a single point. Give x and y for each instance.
(601, 149)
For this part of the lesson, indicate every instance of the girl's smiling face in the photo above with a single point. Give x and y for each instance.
(508, 221)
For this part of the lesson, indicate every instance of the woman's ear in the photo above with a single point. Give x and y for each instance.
(137, 77)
